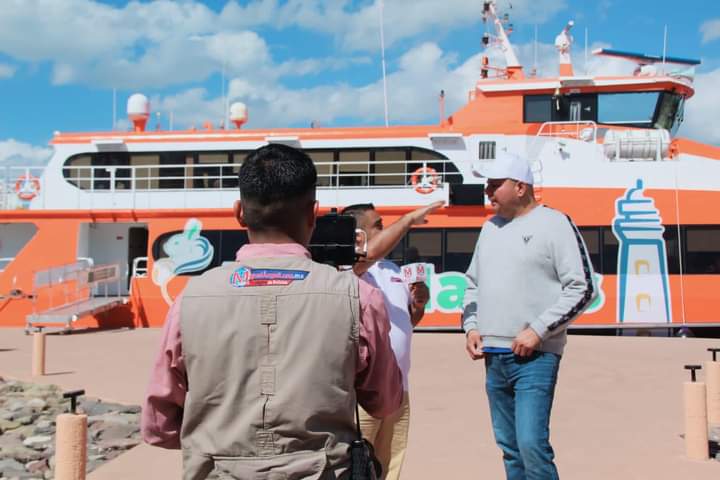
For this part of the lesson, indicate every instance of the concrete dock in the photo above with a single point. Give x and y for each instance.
(617, 414)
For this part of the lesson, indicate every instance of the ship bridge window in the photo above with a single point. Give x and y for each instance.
(560, 108)
(209, 176)
(670, 112)
(633, 109)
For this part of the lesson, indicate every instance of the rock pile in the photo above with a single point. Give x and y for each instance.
(27, 429)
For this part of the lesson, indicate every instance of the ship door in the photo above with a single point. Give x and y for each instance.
(103, 243)
(137, 252)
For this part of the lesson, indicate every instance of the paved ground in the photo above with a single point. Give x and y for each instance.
(618, 410)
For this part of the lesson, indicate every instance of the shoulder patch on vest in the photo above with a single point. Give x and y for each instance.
(257, 277)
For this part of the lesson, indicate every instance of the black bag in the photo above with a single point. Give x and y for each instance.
(364, 463)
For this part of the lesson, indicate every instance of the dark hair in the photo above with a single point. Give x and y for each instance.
(277, 183)
(357, 209)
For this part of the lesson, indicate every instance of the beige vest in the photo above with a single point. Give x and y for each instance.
(271, 370)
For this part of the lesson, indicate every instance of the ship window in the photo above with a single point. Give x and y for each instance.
(147, 172)
(460, 246)
(76, 175)
(610, 247)
(634, 109)
(209, 177)
(670, 112)
(486, 150)
(174, 169)
(323, 161)
(353, 167)
(537, 108)
(703, 250)
(591, 236)
(429, 246)
(390, 167)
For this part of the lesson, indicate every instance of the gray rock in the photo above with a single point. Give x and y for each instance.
(7, 425)
(9, 466)
(37, 403)
(37, 466)
(22, 453)
(118, 443)
(118, 431)
(40, 441)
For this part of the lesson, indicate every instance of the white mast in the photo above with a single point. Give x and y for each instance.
(382, 55)
(490, 13)
(563, 43)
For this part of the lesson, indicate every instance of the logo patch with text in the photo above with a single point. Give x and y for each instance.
(258, 277)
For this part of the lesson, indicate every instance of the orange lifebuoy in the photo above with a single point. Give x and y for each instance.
(425, 180)
(27, 187)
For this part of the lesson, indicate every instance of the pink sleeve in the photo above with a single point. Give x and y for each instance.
(379, 380)
(162, 412)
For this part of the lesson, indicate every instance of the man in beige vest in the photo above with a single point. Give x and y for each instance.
(262, 361)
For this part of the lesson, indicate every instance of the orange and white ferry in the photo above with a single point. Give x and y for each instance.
(107, 234)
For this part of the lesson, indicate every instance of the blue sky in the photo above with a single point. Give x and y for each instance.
(297, 61)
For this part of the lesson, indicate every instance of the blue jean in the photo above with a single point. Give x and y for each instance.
(520, 391)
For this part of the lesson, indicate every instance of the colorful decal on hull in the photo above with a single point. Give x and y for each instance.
(643, 281)
(186, 252)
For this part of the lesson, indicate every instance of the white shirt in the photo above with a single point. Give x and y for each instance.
(387, 277)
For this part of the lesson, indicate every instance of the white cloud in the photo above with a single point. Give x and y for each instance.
(7, 71)
(710, 30)
(701, 110)
(143, 45)
(13, 152)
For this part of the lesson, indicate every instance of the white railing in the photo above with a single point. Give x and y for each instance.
(137, 270)
(223, 176)
(585, 130)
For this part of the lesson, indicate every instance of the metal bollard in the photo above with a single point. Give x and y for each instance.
(712, 379)
(38, 361)
(696, 433)
(71, 442)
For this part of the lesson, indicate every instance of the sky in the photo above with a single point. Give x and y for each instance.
(294, 62)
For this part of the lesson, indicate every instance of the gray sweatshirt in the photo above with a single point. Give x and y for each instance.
(533, 271)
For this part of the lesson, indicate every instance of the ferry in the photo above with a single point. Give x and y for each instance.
(108, 233)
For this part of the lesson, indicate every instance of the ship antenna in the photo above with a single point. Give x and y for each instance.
(665, 36)
(586, 51)
(514, 69)
(535, 51)
(382, 57)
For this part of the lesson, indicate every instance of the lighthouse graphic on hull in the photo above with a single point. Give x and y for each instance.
(643, 282)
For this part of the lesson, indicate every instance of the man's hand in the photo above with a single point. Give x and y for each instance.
(525, 343)
(417, 217)
(473, 345)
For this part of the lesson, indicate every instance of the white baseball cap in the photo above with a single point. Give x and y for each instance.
(507, 165)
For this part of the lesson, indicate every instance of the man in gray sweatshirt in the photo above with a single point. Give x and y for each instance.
(529, 277)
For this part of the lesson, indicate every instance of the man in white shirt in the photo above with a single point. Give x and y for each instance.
(406, 307)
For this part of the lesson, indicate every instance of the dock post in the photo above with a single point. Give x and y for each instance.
(71, 442)
(696, 433)
(38, 359)
(712, 379)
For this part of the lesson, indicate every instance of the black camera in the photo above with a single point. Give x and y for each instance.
(333, 241)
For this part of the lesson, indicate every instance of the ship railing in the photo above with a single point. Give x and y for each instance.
(62, 294)
(19, 185)
(585, 130)
(223, 176)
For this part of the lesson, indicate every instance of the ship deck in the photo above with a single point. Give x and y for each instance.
(617, 414)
